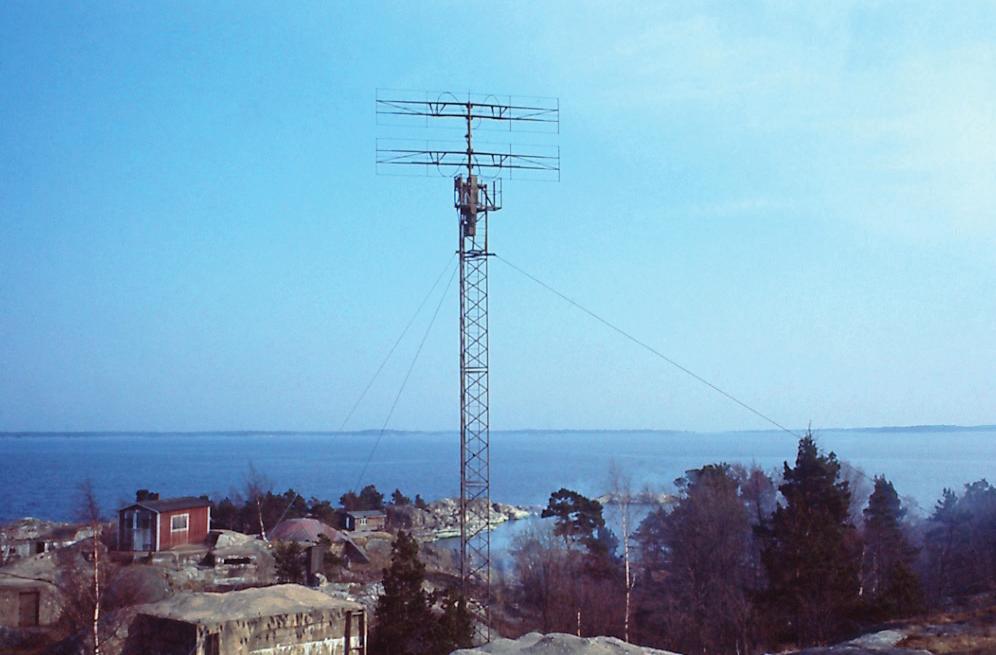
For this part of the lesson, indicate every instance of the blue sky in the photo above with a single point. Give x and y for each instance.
(795, 200)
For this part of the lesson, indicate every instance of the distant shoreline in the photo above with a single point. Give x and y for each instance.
(374, 432)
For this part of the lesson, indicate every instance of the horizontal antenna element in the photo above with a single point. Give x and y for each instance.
(474, 113)
(510, 113)
(449, 159)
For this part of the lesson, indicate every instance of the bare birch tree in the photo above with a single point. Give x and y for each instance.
(620, 489)
(256, 486)
(88, 511)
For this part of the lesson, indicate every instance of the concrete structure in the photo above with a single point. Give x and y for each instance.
(364, 520)
(152, 525)
(308, 532)
(29, 598)
(29, 536)
(304, 531)
(280, 620)
(27, 603)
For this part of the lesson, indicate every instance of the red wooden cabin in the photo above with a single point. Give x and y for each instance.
(151, 525)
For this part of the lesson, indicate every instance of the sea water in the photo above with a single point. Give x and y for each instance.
(40, 473)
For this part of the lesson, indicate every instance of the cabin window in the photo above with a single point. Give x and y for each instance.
(178, 523)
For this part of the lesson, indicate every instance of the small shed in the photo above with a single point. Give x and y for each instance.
(369, 520)
(286, 619)
(153, 525)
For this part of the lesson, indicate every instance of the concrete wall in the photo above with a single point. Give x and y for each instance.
(48, 605)
(319, 632)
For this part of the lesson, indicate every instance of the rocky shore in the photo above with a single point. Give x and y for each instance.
(440, 519)
(641, 498)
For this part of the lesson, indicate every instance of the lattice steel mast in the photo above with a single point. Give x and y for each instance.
(474, 203)
(474, 200)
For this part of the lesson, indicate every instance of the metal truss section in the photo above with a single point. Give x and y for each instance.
(475, 460)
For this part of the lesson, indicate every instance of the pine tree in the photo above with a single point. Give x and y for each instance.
(368, 499)
(889, 582)
(578, 518)
(811, 556)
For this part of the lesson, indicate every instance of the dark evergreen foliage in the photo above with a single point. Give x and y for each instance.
(456, 625)
(243, 514)
(961, 542)
(578, 519)
(368, 499)
(890, 585)
(811, 555)
(290, 564)
(398, 498)
(405, 621)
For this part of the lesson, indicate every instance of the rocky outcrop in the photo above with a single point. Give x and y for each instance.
(535, 643)
(642, 498)
(365, 594)
(441, 518)
(885, 642)
(30, 536)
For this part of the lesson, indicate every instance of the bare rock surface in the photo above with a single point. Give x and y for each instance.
(641, 498)
(885, 642)
(441, 518)
(535, 643)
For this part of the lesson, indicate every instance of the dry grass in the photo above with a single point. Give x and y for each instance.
(959, 633)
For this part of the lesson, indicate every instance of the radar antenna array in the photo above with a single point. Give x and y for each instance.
(477, 178)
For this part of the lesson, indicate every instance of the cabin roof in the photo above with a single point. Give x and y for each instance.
(170, 504)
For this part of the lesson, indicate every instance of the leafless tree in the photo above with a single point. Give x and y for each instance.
(256, 486)
(88, 511)
(860, 485)
(697, 565)
(620, 487)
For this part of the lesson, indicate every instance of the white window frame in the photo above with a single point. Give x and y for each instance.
(186, 523)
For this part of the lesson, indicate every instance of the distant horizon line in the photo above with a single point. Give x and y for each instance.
(940, 427)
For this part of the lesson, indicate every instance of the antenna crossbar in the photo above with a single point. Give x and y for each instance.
(480, 110)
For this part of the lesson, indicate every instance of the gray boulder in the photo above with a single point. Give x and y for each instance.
(535, 643)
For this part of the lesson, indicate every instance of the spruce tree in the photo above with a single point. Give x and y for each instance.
(456, 626)
(404, 620)
(889, 582)
(811, 556)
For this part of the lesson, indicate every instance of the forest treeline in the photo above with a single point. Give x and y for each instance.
(745, 561)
